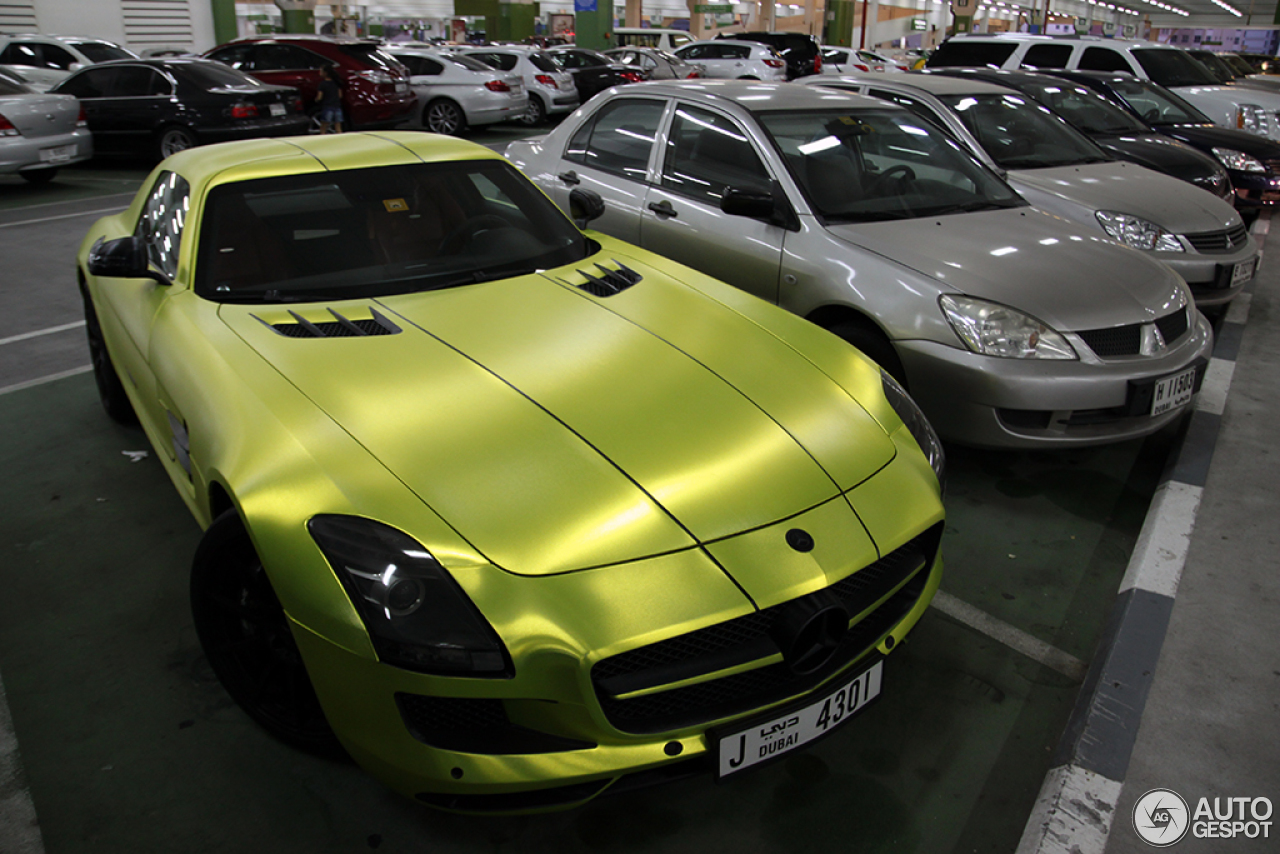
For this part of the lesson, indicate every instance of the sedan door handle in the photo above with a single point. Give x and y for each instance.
(570, 177)
(662, 208)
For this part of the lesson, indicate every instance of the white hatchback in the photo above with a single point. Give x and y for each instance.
(731, 59)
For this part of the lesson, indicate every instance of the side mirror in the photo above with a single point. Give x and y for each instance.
(584, 206)
(742, 203)
(122, 258)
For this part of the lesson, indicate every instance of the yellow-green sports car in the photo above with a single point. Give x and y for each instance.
(513, 512)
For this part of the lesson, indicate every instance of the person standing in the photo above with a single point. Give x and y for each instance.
(329, 96)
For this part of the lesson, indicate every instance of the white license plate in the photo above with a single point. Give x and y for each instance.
(402, 87)
(1173, 391)
(762, 741)
(277, 109)
(58, 154)
(1243, 271)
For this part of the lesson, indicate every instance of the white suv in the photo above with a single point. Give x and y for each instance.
(47, 60)
(732, 59)
(1171, 67)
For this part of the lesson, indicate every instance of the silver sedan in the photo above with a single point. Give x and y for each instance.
(457, 91)
(39, 132)
(1011, 327)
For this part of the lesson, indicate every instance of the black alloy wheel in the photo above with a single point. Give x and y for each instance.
(110, 390)
(173, 139)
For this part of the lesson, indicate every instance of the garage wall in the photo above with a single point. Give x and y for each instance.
(137, 24)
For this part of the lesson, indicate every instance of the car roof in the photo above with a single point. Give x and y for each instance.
(752, 95)
(935, 84)
(1016, 78)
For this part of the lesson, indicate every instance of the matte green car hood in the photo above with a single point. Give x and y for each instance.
(556, 430)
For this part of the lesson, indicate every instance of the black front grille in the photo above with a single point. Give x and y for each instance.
(1218, 241)
(747, 639)
(1127, 340)
(475, 725)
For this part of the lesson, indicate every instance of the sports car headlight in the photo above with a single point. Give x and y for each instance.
(917, 425)
(417, 615)
(1252, 118)
(1238, 160)
(997, 330)
(1137, 232)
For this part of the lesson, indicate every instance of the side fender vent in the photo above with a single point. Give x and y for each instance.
(339, 327)
(609, 282)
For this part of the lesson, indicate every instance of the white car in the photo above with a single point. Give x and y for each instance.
(732, 59)
(551, 89)
(47, 60)
(1175, 69)
(456, 91)
(841, 60)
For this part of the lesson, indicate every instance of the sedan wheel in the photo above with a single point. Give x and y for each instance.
(536, 114)
(246, 637)
(444, 117)
(110, 390)
(174, 139)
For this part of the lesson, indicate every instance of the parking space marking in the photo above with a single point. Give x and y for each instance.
(100, 212)
(1011, 636)
(19, 829)
(39, 332)
(83, 369)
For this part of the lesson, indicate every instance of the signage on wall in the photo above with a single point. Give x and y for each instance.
(585, 5)
(919, 24)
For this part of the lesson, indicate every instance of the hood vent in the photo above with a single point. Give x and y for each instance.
(339, 327)
(610, 282)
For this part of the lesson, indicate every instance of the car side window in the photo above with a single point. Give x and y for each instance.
(57, 57)
(137, 81)
(237, 56)
(697, 51)
(429, 67)
(915, 105)
(735, 51)
(285, 57)
(619, 137)
(1103, 59)
(1047, 56)
(707, 154)
(568, 59)
(87, 84)
(164, 216)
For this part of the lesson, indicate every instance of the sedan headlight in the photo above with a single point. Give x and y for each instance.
(917, 425)
(417, 615)
(1138, 232)
(1252, 118)
(1238, 160)
(992, 329)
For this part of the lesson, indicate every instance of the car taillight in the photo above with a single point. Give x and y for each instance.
(244, 111)
(692, 75)
(297, 105)
(860, 66)
(774, 63)
(375, 76)
(82, 120)
(7, 128)
(546, 80)
(497, 86)
(631, 76)
(817, 63)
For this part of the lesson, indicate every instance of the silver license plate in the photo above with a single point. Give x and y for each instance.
(277, 109)
(739, 749)
(57, 154)
(1173, 391)
(1243, 271)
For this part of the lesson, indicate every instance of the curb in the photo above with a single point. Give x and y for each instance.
(1077, 801)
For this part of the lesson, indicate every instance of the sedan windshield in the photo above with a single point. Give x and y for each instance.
(377, 231)
(1090, 112)
(1158, 106)
(1017, 133)
(880, 165)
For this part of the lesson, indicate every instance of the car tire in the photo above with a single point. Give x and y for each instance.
(748, 77)
(873, 343)
(536, 114)
(172, 139)
(39, 176)
(110, 390)
(444, 116)
(247, 640)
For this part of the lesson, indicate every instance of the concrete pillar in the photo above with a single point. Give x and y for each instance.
(592, 23)
(299, 15)
(840, 27)
(634, 15)
(224, 20)
(869, 25)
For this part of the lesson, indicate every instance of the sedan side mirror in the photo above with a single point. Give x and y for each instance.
(584, 206)
(122, 258)
(736, 202)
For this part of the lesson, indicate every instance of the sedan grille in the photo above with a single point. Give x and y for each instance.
(1218, 241)
(877, 596)
(339, 327)
(1127, 340)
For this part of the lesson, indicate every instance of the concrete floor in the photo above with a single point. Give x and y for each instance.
(129, 744)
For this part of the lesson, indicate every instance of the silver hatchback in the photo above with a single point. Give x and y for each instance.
(1011, 327)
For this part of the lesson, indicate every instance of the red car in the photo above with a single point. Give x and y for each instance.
(375, 91)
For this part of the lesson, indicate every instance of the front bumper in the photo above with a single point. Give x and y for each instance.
(1210, 274)
(1029, 403)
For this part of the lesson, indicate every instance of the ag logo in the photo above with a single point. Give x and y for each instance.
(1161, 817)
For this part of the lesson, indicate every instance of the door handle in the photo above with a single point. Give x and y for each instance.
(663, 208)
(570, 177)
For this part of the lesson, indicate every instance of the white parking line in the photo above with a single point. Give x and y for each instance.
(42, 380)
(1012, 637)
(50, 331)
(101, 212)
(19, 829)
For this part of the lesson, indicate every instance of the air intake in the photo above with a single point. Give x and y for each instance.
(609, 282)
(339, 327)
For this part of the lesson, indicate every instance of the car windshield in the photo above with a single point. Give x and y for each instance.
(876, 165)
(1217, 67)
(1238, 64)
(100, 52)
(371, 55)
(378, 231)
(1017, 133)
(1170, 67)
(1158, 106)
(1090, 112)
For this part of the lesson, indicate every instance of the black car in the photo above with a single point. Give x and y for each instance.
(800, 50)
(1252, 161)
(1118, 131)
(592, 71)
(158, 107)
